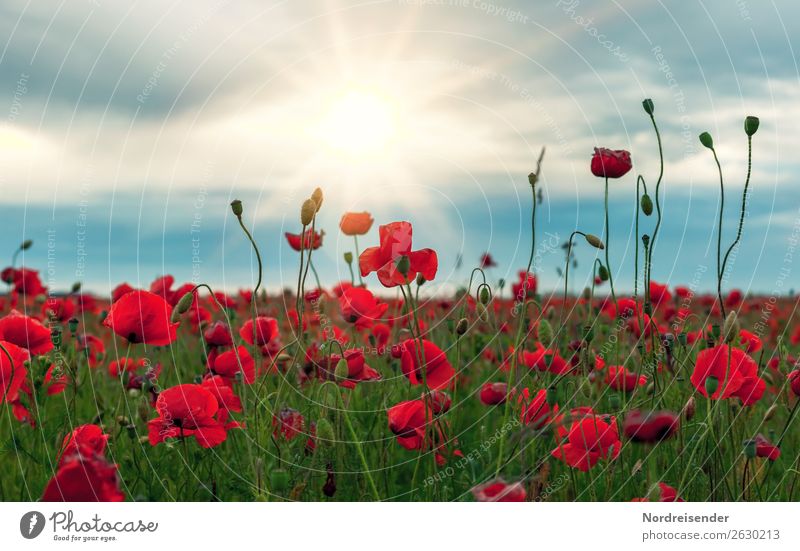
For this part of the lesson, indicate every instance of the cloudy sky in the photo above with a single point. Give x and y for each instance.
(127, 128)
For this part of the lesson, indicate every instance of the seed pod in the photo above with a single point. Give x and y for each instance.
(348, 257)
(236, 207)
(647, 205)
(307, 212)
(711, 385)
(403, 265)
(751, 125)
(594, 241)
(532, 177)
(73, 325)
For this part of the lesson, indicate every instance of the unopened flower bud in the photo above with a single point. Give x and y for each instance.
(76, 287)
(325, 434)
(307, 212)
(348, 257)
(602, 273)
(594, 241)
(420, 279)
(545, 332)
(316, 196)
(462, 326)
(484, 295)
(749, 448)
(236, 207)
(184, 303)
(689, 409)
(342, 371)
(707, 140)
(731, 327)
(614, 401)
(551, 396)
(73, 325)
(751, 125)
(770, 412)
(532, 177)
(648, 106)
(55, 336)
(647, 205)
(27, 244)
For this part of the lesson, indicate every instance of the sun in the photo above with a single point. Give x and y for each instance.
(358, 123)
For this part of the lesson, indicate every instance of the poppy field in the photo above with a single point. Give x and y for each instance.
(378, 388)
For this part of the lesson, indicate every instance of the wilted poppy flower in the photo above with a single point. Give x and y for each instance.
(184, 411)
(142, 317)
(12, 373)
(294, 240)
(499, 490)
(438, 401)
(493, 394)
(26, 332)
(360, 307)
(650, 426)
(355, 223)
(84, 478)
(526, 285)
(588, 440)
(438, 373)
(395, 250)
(87, 440)
(610, 163)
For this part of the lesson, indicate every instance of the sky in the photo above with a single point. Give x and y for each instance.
(126, 128)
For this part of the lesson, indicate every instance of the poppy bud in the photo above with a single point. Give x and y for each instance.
(587, 293)
(73, 325)
(770, 412)
(55, 336)
(545, 332)
(532, 177)
(236, 207)
(101, 318)
(279, 480)
(316, 196)
(682, 338)
(602, 273)
(749, 448)
(731, 327)
(342, 371)
(76, 287)
(751, 125)
(637, 467)
(588, 333)
(26, 245)
(645, 240)
(689, 409)
(348, 257)
(707, 140)
(594, 241)
(647, 205)
(420, 279)
(501, 283)
(462, 326)
(184, 303)
(551, 396)
(403, 265)
(329, 488)
(715, 330)
(712, 384)
(307, 212)
(614, 401)
(648, 106)
(325, 434)
(484, 295)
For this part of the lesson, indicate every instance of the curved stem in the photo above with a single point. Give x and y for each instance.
(744, 202)
(608, 246)
(719, 233)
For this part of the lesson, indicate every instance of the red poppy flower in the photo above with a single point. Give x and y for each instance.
(620, 378)
(227, 365)
(395, 245)
(536, 412)
(357, 368)
(355, 223)
(764, 448)
(544, 359)
(294, 240)
(487, 261)
(794, 381)
(589, 439)
(12, 373)
(729, 365)
(407, 420)
(526, 285)
(650, 426)
(666, 494)
(499, 490)
(751, 342)
(84, 478)
(228, 401)
(59, 309)
(360, 307)
(127, 365)
(187, 410)
(26, 332)
(493, 394)
(87, 440)
(265, 333)
(611, 163)
(25, 281)
(659, 293)
(439, 402)
(734, 298)
(218, 334)
(55, 380)
(120, 291)
(288, 423)
(438, 374)
(92, 347)
(142, 317)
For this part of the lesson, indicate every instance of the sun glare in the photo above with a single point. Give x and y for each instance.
(358, 123)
